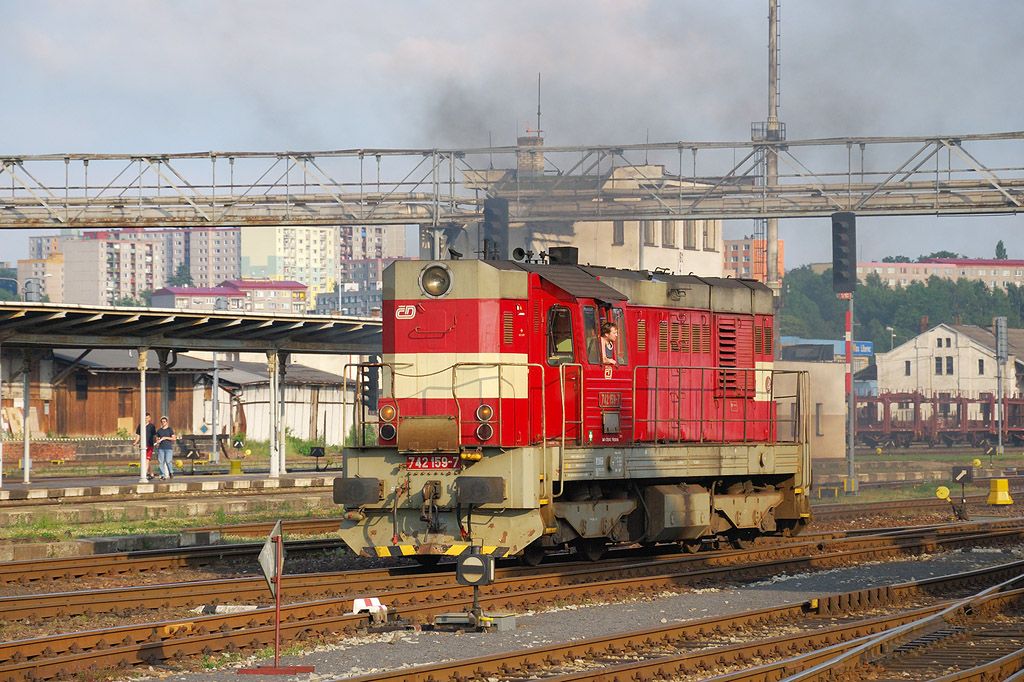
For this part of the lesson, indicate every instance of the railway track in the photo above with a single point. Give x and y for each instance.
(120, 563)
(252, 589)
(708, 647)
(148, 643)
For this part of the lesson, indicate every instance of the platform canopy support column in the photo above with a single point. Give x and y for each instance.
(167, 359)
(142, 366)
(26, 463)
(1, 417)
(214, 412)
(282, 364)
(272, 371)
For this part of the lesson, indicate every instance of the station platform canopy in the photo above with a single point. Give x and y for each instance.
(53, 325)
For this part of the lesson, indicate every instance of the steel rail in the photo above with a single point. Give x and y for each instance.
(46, 657)
(253, 589)
(650, 644)
(239, 589)
(886, 644)
(635, 644)
(117, 563)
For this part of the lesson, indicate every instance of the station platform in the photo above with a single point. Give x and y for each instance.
(85, 488)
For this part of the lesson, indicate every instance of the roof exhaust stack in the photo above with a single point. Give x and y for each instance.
(563, 255)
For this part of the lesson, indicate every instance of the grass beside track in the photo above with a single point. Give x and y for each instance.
(46, 528)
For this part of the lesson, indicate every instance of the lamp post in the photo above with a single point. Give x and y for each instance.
(892, 337)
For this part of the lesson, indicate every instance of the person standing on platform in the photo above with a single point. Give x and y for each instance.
(150, 438)
(165, 448)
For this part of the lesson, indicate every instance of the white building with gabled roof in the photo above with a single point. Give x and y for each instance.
(954, 360)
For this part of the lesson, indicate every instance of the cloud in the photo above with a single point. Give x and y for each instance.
(148, 75)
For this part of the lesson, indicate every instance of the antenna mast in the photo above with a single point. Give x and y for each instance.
(538, 105)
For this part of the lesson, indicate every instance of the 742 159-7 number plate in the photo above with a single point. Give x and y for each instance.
(432, 462)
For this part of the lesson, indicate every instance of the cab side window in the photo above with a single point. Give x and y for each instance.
(592, 334)
(619, 318)
(559, 336)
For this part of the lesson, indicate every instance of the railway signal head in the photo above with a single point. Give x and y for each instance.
(844, 252)
(475, 570)
(369, 385)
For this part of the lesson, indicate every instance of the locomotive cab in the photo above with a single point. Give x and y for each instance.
(528, 407)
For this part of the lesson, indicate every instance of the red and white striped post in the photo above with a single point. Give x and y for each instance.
(851, 471)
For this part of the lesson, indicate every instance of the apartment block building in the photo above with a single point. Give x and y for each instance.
(994, 273)
(47, 272)
(102, 271)
(747, 258)
(249, 295)
(304, 254)
(208, 255)
(43, 246)
(372, 241)
(213, 255)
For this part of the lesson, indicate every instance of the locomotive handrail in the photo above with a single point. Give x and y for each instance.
(543, 412)
(676, 375)
(358, 417)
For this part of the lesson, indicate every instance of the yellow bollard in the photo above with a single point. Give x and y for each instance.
(235, 467)
(999, 491)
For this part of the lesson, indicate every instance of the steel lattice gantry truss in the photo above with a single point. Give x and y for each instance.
(52, 325)
(680, 180)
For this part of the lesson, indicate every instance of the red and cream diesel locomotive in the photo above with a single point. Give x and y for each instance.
(507, 421)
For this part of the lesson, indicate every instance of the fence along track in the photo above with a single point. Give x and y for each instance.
(125, 646)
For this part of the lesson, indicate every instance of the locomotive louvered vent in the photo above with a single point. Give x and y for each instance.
(663, 336)
(769, 342)
(758, 341)
(705, 338)
(727, 354)
(674, 335)
(641, 335)
(695, 332)
(684, 337)
(506, 328)
(536, 318)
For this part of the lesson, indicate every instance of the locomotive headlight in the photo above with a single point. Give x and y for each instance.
(436, 280)
(484, 431)
(387, 413)
(388, 431)
(484, 413)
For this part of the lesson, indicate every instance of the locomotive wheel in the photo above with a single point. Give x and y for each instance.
(533, 555)
(742, 539)
(591, 549)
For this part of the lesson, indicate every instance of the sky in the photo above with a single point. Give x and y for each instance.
(152, 76)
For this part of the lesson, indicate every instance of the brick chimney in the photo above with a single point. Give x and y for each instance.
(530, 155)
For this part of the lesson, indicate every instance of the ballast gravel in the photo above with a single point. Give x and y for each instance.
(378, 653)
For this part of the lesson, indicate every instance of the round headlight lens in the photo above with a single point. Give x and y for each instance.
(387, 413)
(484, 413)
(484, 431)
(388, 431)
(436, 280)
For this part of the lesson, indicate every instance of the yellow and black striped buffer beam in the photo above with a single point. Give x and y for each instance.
(457, 549)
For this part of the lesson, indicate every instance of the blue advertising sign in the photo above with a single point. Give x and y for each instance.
(863, 348)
